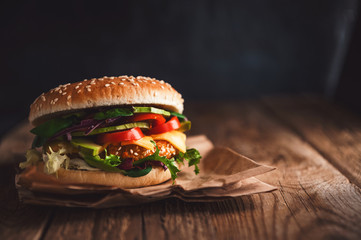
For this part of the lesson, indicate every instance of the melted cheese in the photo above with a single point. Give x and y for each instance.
(176, 138)
(143, 142)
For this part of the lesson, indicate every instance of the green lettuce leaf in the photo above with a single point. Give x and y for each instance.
(44, 131)
(110, 163)
(192, 156)
(181, 117)
(169, 163)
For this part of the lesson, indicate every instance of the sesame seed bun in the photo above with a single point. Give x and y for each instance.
(103, 92)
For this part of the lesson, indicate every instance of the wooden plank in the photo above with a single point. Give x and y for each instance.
(314, 200)
(333, 131)
(19, 221)
(80, 223)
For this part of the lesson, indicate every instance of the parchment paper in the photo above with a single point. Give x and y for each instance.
(223, 174)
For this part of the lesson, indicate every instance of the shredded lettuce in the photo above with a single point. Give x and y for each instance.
(32, 157)
(54, 160)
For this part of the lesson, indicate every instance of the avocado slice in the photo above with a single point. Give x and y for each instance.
(86, 146)
(151, 110)
(113, 128)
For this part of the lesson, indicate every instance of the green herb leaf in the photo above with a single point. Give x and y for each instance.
(116, 112)
(192, 156)
(108, 164)
(135, 172)
(49, 128)
(169, 163)
(181, 117)
(53, 126)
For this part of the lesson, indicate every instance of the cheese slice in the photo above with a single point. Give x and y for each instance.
(176, 138)
(143, 142)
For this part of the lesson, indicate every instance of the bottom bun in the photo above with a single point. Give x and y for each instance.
(155, 176)
(99, 178)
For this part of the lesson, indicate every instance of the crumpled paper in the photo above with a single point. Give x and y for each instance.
(223, 174)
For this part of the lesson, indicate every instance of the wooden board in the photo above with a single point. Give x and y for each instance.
(331, 130)
(315, 200)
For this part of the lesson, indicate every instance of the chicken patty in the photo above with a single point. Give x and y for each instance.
(137, 152)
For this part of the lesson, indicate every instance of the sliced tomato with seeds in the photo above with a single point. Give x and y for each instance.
(171, 125)
(116, 137)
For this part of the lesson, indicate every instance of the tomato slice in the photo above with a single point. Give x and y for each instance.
(157, 119)
(116, 137)
(171, 125)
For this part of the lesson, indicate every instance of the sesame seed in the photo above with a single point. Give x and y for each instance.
(64, 93)
(76, 87)
(135, 154)
(161, 81)
(92, 83)
(80, 83)
(88, 89)
(111, 77)
(121, 83)
(78, 91)
(60, 91)
(85, 80)
(43, 98)
(119, 148)
(113, 83)
(131, 151)
(68, 103)
(55, 100)
(68, 97)
(107, 85)
(162, 86)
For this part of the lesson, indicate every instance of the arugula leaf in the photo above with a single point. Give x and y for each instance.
(169, 163)
(111, 113)
(192, 156)
(53, 126)
(38, 142)
(135, 172)
(46, 130)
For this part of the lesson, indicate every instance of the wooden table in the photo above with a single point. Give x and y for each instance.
(315, 146)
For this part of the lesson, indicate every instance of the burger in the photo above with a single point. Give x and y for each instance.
(124, 131)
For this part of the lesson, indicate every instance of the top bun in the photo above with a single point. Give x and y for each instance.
(103, 92)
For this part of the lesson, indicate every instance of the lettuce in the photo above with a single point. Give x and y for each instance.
(112, 113)
(54, 160)
(32, 157)
(169, 163)
(192, 156)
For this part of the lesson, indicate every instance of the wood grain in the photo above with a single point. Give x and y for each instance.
(333, 131)
(312, 195)
(315, 200)
(18, 221)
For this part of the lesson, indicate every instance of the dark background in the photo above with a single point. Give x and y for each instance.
(237, 49)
